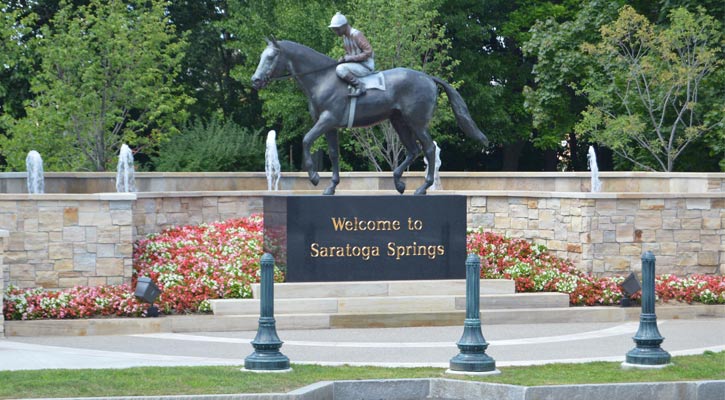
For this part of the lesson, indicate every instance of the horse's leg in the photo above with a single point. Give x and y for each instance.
(323, 124)
(419, 128)
(411, 147)
(429, 151)
(333, 147)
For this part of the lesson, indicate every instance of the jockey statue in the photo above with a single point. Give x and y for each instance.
(358, 60)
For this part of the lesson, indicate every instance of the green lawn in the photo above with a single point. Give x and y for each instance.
(225, 380)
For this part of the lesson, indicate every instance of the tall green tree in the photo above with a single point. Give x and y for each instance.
(284, 107)
(106, 78)
(650, 90)
(552, 98)
(403, 34)
(208, 62)
(12, 30)
(16, 56)
(487, 38)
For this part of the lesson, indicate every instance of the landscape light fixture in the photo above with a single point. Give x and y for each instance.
(629, 287)
(148, 292)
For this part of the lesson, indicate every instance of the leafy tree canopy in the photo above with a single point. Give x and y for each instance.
(651, 86)
(106, 78)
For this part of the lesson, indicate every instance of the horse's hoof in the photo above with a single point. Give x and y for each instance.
(329, 191)
(315, 179)
(400, 186)
(420, 192)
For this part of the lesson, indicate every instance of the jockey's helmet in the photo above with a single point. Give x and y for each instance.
(338, 20)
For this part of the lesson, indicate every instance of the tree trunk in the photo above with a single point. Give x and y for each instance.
(550, 160)
(511, 155)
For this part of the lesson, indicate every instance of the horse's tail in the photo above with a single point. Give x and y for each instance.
(463, 116)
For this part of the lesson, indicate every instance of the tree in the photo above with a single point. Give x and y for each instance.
(208, 62)
(106, 78)
(11, 48)
(488, 37)
(284, 106)
(403, 34)
(552, 98)
(649, 86)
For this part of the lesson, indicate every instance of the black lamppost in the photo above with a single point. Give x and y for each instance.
(648, 353)
(266, 356)
(473, 358)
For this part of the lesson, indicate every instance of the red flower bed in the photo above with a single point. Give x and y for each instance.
(534, 269)
(192, 264)
(78, 302)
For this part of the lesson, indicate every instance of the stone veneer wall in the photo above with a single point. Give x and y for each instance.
(3, 238)
(603, 233)
(606, 234)
(153, 212)
(61, 241)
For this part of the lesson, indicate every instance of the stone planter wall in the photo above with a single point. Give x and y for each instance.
(153, 212)
(612, 182)
(61, 241)
(3, 238)
(606, 234)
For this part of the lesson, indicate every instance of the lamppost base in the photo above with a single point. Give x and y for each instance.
(267, 371)
(626, 365)
(648, 357)
(260, 362)
(453, 372)
(472, 363)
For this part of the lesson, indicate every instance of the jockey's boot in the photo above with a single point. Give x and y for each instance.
(358, 87)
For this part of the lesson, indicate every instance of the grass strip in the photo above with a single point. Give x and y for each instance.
(155, 381)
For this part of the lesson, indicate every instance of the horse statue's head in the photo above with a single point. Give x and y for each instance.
(269, 66)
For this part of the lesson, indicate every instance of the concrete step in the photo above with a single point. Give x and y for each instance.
(389, 304)
(308, 290)
(215, 323)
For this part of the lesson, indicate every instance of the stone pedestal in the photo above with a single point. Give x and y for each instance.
(366, 238)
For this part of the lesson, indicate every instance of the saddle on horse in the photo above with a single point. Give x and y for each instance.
(374, 81)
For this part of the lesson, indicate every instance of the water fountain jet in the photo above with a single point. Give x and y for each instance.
(272, 167)
(125, 178)
(594, 168)
(34, 166)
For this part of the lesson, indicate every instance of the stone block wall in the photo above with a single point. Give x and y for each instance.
(61, 241)
(606, 234)
(3, 239)
(153, 212)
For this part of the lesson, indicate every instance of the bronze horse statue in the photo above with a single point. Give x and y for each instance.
(408, 101)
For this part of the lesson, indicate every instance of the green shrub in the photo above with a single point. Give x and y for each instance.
(209, 146)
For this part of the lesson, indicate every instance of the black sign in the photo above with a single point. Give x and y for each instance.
(362, 238)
